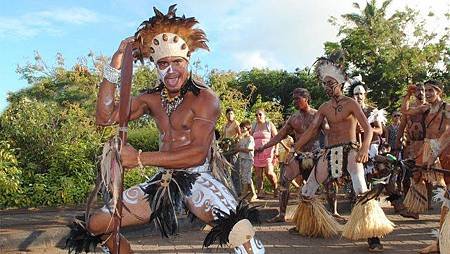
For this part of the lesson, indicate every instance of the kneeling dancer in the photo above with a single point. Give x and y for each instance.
(185, 112)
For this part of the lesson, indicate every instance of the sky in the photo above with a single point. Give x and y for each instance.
(243, 34)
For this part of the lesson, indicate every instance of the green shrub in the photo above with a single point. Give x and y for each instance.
(145, 138)
(137, 176)
(10, 177)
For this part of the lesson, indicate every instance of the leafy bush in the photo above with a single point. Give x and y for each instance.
(137, 176)
(145, 137)
(10, 177)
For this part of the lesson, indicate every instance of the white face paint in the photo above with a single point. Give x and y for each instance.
(359, 89)
(163, 72)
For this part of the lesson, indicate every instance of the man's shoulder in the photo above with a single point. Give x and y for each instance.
(312, 111)
(208, 93)
(447, 110)
(149, 97)
(349, 100)
(205, 96)
(324, 105)
(206, 101)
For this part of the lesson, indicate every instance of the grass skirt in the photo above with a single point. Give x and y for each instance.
(416, 199)
(444, 235)
(367, 220)
(312, 219)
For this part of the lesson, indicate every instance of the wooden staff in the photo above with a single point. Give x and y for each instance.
(124, 116)
(425, 168)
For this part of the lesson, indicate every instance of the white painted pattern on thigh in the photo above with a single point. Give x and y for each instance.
(131, 196)
(207, 192)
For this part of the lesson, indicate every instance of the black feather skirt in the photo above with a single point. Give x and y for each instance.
(165, 193)
(225, 222)
(80, 239)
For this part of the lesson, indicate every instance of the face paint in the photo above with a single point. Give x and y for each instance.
(162, 73)
(331, 88)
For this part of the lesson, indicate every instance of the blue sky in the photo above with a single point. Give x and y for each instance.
(243, 34)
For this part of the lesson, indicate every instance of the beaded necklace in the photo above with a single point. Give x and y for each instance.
(170, 104)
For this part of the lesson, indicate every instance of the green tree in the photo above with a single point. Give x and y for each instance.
(277, 86)
(220, 82)
(10, 177)
(49, 140)
(378, 48)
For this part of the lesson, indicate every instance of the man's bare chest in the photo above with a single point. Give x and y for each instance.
(435, 122)
(301, 122)
(336, 114)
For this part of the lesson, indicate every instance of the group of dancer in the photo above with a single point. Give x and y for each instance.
(191, 170)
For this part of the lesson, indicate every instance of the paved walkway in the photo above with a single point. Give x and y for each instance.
(409, 236)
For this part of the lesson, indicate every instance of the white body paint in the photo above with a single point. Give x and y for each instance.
(209, 193)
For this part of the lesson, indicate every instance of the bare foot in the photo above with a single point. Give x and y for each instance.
(406, 214)
(276, 219)
(293, 231)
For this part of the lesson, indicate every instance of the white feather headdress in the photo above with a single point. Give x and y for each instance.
(327, 68)
(378, 115)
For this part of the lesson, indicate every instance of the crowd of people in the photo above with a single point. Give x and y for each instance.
(345, 142)
(402, 136)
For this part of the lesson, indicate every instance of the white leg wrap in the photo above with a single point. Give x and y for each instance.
(256, 245)
(358, 181)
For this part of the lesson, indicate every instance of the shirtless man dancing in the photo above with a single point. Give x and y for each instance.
(297, 124)
(185, 112)
(367, 219)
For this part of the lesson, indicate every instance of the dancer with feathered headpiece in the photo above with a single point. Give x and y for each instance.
(191, 172)
(343, 152)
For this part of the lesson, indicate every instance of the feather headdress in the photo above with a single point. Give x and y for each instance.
(378, 115)
(354, 84)
(330, 67)
(169, 35)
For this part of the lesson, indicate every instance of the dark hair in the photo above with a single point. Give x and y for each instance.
(246, 123)
(435, 83)
(302, 92)
(229, 110)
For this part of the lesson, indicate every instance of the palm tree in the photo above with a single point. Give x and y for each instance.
(369, 15)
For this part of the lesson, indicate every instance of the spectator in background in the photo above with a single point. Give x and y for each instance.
(262, 132)
(392, 132)
(232, 131)
(245, 149)
(296, 124)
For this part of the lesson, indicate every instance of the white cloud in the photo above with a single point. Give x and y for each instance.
(49, 22)
(273, 34)
(255, 59)
(248, 60)
(288, 33)
(72, 15)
